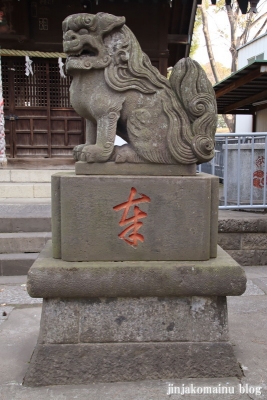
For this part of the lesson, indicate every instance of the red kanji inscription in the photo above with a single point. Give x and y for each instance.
(258, 175)
(132, 239)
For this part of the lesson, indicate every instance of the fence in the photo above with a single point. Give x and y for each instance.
(240, 164)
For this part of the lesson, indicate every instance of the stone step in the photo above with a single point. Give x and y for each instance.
(16, 264)
(25, 190)
(23, 242)
(23, 175)
(26, 217)
(23, 183)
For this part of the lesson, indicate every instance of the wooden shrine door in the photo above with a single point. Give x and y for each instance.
(39, 120)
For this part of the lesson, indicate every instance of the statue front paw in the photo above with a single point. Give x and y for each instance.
(93, 153)
(76, 152)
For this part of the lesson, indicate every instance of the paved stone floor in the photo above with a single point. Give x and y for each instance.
(19, 326)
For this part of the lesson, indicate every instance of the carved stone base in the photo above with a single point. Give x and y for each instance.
(128, 321)
(134, 218)
(66, 364)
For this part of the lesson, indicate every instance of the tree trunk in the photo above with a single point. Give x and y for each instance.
(229, 120)
(233, 18)
(208, 43)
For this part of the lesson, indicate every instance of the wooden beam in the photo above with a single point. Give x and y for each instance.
(243, 112)
(178, 39)
(240, 82)
(10, 36)
(247, 111)
(260, 107)
(244, 102)
(254, 122)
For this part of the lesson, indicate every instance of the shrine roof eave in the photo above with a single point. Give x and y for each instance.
(243, 92)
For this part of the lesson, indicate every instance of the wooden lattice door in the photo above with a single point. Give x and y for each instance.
(39, 119)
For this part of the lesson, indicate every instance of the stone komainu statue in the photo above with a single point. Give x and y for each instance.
(117, 90)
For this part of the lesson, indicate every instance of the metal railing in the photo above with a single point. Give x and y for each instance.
(241, 164)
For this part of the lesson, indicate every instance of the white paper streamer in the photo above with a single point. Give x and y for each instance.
(61, 65)
(28, 66)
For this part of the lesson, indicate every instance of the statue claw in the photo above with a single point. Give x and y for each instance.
(77, 152)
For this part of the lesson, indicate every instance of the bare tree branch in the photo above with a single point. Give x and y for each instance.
(260, 30)
(264, 15)
(236, 23)
(244, 36)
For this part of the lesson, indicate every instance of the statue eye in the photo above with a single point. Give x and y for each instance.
(87, 20)
(83, 32)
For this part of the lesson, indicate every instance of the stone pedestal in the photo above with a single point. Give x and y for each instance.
(127, 321)
(132, 286)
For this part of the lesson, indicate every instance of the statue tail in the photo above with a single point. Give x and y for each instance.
(196, 95)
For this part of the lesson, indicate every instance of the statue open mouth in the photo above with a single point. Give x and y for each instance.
(85, 52)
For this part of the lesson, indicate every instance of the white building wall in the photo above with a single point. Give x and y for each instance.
(243, 123)
(251, 49)
(261, 121)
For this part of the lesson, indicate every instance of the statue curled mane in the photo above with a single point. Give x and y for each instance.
(127, 69)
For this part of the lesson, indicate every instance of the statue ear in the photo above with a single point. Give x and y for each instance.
(107, 22)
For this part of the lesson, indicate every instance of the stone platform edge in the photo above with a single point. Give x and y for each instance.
(109, 362)
(55, 278)
(112, 168)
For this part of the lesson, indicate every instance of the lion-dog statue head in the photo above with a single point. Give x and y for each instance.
(96, 41)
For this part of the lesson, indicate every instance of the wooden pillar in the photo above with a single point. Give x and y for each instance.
(3, 160)
(254, 121)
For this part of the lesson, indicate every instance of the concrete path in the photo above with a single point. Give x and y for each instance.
(19, 326)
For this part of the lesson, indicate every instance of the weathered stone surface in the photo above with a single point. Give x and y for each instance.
(249, 257)
(233, 221)
(177, 226)
(112, 168)
(243, 236)
(56, 215)
(214, 219)
(135, 320)
(109, 362)
(59, 321)
(53, 278)
(147, 319)
(116, 89)
(210, 321)
(261, 257)
(254, 241)
(229, 241)
(244, 257)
